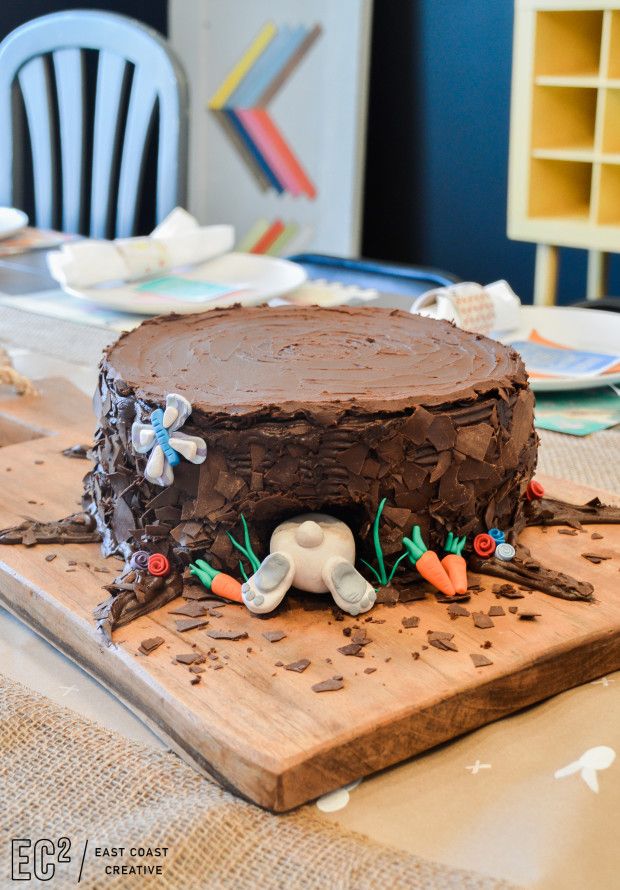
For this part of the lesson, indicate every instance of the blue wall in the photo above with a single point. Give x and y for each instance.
(437, 153)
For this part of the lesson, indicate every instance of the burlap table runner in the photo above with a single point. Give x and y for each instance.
(64, 776)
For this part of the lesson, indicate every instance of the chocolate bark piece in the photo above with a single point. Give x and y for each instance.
(513, 609)
(480, 660)
(274, 636)
(125, 603)
(528, 615)
(79, 528)
(227, 634)
(298, 666)
(369, 670)
(496, 611)
(535, 578)
(549, 511)
(330, 685)
(360, 636)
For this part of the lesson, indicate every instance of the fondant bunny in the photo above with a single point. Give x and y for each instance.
(312, 552)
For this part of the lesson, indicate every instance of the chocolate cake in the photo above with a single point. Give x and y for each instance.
(305, 409)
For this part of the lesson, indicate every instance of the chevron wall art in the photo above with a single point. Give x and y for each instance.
(240, 105)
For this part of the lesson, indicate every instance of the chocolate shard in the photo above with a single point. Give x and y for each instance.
(410, 621)
(298, 666)
(330, 685)
(274, 636)
(441, 640)
(360, 636)
(149, 645)
(480, 660)
(189, 658)
(227, 634)
(186, 624)
(496, 611)
(456, 610)
(78, 452)
(482, 621)
(528, 615)
(352, 649)
(191, 609)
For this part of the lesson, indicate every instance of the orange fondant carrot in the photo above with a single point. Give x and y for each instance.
(431, 569)
(427, 562)
(456, 569)
(222, 585)
(453, 562)
(227, 587)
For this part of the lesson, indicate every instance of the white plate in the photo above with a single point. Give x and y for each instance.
(259, 277)
(12, 221)
(591, 329)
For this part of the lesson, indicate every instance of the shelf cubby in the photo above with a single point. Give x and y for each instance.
(613, 64)
(609, 196)
(563, 117)
(560, 189)
(611, 122)
(568, 42)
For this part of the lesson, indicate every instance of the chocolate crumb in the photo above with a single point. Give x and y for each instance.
(196, 669)
(507, 591)
(297, 666)
(480, 660)
(416, 655)
(568, 531)
(529, 616)
(346, 631)
(486, 645)
(330, 685)
(195, 680)
(274, 636)
(360, 636)
(513, 609)
(50, 557)
(279, 664)
(596, 536)
(369, 670)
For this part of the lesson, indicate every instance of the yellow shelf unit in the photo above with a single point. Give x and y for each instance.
(564, 171)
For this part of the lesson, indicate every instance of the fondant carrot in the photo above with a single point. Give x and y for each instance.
(453, 562)
(219, 583)
(427, 562)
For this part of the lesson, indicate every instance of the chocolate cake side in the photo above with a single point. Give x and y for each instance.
(312, 409)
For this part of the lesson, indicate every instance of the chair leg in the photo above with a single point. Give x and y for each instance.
(598, 264)
(546, 275)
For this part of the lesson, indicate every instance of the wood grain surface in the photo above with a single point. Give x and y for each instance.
(259, 728)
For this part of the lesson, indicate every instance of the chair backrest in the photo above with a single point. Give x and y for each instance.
(44, 59)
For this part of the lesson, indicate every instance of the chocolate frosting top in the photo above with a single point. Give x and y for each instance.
(241, 361)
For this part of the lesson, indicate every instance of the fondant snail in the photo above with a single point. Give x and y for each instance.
(313, 552)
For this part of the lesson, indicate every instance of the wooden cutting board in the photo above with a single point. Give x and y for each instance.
(257, 727)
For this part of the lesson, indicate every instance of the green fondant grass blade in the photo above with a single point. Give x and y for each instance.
(396, 564)
(243, 571)
(254, 560)
(373, 570)
(378, 550)
(417, 539)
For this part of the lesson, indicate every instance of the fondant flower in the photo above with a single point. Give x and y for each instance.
(162, 438)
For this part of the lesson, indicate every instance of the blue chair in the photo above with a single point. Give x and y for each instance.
(44, 59)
